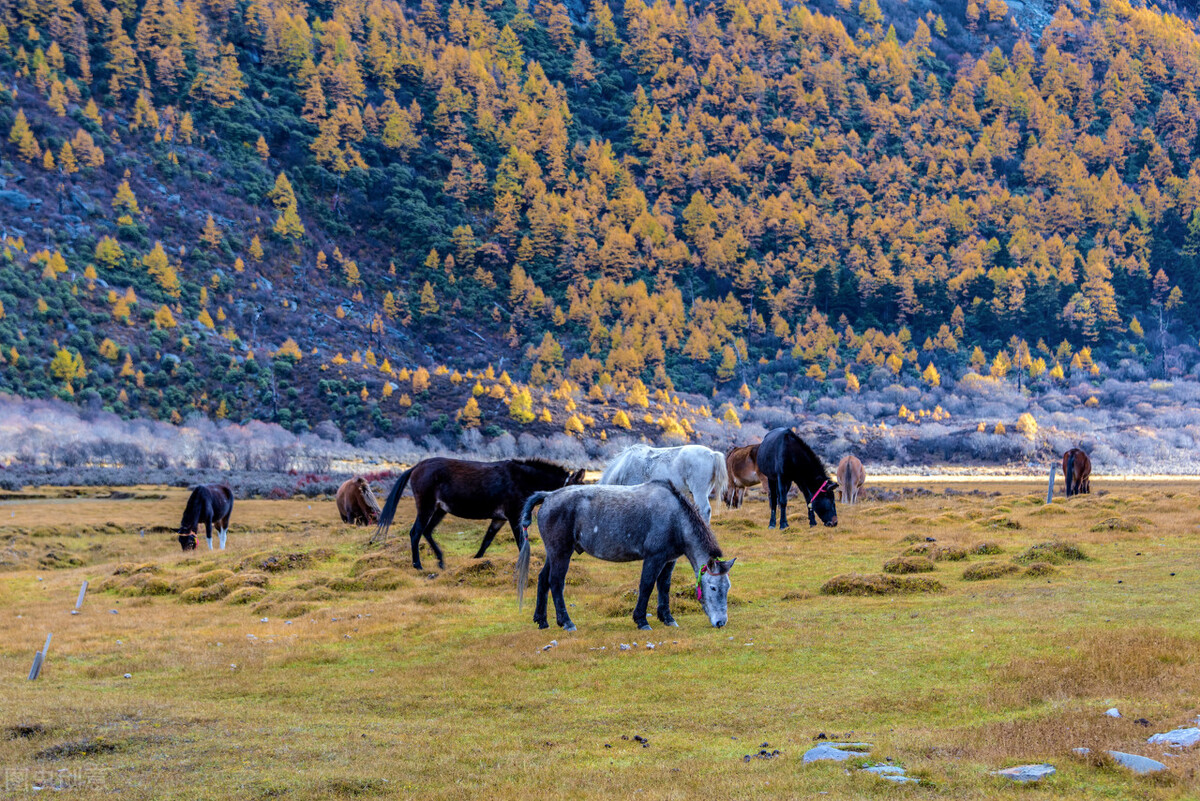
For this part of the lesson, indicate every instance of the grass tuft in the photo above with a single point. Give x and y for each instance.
(1056, 552)
(901, 565)
(989, 570)
(1037, 569)
(879, 584)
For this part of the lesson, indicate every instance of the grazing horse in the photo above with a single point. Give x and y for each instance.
(783, 458)
(1077, 470)
(653, 522)
(742, 466)
(851, 476)
(208, 504)
(356, 502)
(493, 491)
(690, 468)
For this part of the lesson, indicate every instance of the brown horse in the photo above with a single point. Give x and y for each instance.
(1077, 470)
(356, 503)
(494, 491)
(742, 466)
(851, 476)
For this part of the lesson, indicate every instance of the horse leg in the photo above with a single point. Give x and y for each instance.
(224, 530)
(414, 534)
(539, 611)
(773, 496)
(651, 568)
(700, 495)
(664, 594)
(558, 581)
(434, 519)
(495, 525)
(782, 491)
(208, 532)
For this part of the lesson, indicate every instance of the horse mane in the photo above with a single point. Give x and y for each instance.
(707, 539)
(191, 512)
(810, 455)
(542, 464)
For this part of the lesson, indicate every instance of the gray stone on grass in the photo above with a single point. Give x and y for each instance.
(824, 752)
(1138, 764)
(1113, 713)
(1179, 738)
(893, 773)
(1026, 773)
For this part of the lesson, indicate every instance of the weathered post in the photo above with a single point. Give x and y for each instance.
(1050, 489)
(39, 658)
(82, 592)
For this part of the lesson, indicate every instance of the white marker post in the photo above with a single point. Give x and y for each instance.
(82, 592)
(1050, 489)
(39, 658)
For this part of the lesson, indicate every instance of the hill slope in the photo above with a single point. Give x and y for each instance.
(280, 211)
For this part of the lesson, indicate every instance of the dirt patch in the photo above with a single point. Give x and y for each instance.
(902, 565)
(24, 731)
(879, 584)
(989, 570)
(1056, 553)
(90, 746)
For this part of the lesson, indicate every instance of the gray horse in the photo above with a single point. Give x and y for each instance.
(652, 522)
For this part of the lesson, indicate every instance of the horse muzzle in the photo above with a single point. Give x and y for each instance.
(831, 523)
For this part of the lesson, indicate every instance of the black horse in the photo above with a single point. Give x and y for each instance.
(208, 504)
(783, 458)
(494, 491)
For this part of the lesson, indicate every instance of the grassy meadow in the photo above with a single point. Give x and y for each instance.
(368, 679)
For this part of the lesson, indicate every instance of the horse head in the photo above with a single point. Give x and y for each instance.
(368, 498)
(823, 505)
(712, 590)
(575, 478)
(187, 540)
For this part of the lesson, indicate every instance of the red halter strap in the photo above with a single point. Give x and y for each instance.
(820, 489)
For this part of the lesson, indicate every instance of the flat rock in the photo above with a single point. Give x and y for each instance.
(1026, 773)
(824, 752)
(1113, 713)
(1179, 738)
(893, 773)
(1138, 764)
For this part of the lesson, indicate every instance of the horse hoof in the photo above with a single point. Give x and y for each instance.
(644, 627)
(542, 624)
(569, 627)
(672, 623)
(416, 565)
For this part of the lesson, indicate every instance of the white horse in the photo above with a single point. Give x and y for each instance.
(692, 469)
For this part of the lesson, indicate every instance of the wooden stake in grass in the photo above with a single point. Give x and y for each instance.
(1050, 489)
(39, 658)
(82, 592)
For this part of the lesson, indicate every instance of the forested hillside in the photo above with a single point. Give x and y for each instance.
(545, 217)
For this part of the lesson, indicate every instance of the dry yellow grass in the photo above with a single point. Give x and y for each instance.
(396, 684)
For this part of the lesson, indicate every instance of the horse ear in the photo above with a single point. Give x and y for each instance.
(833, 485)
(576, 477)
(713, 567)
(728, 565)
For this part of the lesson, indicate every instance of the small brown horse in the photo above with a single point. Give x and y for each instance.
(208, 504)
(742, 466)
(1077, 470)
(356, 503)
(851, 476)
(494, 491)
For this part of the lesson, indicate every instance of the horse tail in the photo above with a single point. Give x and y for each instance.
(720, 475)
(389, 508)
(1069, 472)
(523, 557)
